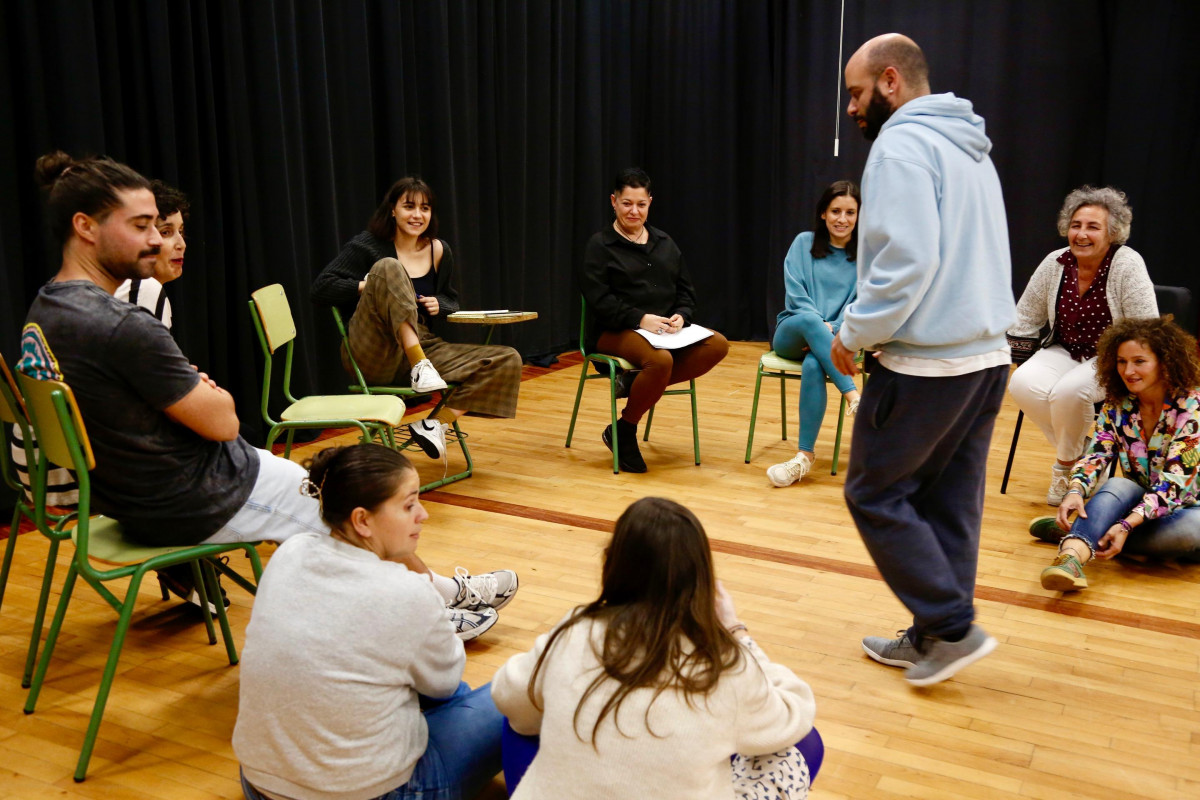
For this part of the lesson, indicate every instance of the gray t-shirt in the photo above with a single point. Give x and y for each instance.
(166, 484)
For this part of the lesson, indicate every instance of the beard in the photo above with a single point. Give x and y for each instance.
(875, 113)
(123, 268)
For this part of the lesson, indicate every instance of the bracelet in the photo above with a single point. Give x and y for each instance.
(1073, 491)
(1125, 524)
(739, 627)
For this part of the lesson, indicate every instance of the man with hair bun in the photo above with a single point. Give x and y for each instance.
(935, 299)
(170, 465)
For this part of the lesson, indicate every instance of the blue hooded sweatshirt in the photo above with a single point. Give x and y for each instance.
(934, 271)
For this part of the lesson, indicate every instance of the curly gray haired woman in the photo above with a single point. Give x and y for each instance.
(1096, 281)
(1114, 201)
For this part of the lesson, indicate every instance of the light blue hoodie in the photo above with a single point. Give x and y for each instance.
(934, 271)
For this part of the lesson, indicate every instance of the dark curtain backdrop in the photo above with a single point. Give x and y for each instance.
(286, 121)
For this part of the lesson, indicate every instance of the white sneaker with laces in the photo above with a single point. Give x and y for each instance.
(425, 378)
(486, 590)
(471, 624)
(431, 436)
(789, 472)
(852, 407)
(1060, 481)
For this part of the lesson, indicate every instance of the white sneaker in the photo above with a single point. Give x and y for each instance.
(425, 378)
(470, 624)
(1060, 481)
(486, 590)
(431, 436)
(852, 407)
(789, 472)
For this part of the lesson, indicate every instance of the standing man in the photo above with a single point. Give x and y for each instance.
(935, 298)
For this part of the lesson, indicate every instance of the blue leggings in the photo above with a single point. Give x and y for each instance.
(805, 338)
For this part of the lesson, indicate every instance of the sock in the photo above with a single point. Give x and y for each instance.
(446, 587)
(445, 415)
(415, 354)
(628, 428)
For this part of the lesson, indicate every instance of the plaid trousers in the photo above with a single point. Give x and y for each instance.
(490, 375)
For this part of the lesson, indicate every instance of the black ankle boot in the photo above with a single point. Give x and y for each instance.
(629, 457)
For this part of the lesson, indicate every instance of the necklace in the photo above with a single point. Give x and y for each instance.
(640, 238)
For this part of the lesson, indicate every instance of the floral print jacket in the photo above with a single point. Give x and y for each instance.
(1166, 468)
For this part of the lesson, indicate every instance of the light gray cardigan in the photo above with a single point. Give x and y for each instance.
(1130, 292)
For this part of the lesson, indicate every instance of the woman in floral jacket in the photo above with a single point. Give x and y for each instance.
(1150, 421)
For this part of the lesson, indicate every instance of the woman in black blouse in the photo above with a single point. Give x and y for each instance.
(634, 277)
(393, 282)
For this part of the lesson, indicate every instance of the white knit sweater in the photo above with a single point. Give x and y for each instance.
(338, 646)
(1130, 292)
(756, 708)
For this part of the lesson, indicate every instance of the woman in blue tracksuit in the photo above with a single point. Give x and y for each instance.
(820, 279)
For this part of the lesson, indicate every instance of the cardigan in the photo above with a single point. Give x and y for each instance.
(668, 748)
(337, 284)
(339, 646)
(1166, 467)
(1130, 292)
(622, 282)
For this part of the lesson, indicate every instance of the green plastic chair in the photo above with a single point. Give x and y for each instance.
(361, 387)
(615, 365)
(12, 412)
(772, 365)
(374, 416)
(62, 440)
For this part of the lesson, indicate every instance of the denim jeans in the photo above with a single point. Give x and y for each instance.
(1176, 535)
(792, 336)
(463, 753)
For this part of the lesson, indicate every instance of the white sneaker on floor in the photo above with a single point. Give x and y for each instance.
(486, 590)
(1060, 481)
(789, 472)
(431, 436)
(425, 378)
(471, 624)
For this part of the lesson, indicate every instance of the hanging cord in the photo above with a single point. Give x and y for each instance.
(837, 111)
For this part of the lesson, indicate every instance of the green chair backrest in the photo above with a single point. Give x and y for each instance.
(12, 412)
(275, 316)
(57, 423)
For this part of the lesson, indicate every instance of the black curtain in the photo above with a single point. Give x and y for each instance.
(285, 122)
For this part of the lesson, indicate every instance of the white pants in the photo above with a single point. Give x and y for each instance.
(1059, 394)
(275, 509)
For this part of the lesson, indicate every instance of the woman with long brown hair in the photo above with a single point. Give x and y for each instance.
(652, 688)
(1150, 422)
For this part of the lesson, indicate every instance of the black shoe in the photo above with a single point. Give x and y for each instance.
(624, 381)
(629, 459)
(178, 581)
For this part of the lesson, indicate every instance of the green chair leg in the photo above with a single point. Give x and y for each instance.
(201, 591)
(39, 616)
(754, 412)
(578, 397)
(106, 680)
(695, 426)
(837, 442)
(783, 405)
(214, 591)
(8, 550)
(612, 413)
(60, 612)
(649, 422)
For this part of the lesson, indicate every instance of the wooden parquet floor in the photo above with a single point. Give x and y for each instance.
(1093, 696)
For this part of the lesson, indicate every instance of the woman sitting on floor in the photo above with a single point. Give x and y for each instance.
(649, 690)
(350, 675)
(820, 279)
(396, 281)
(1150, 421)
